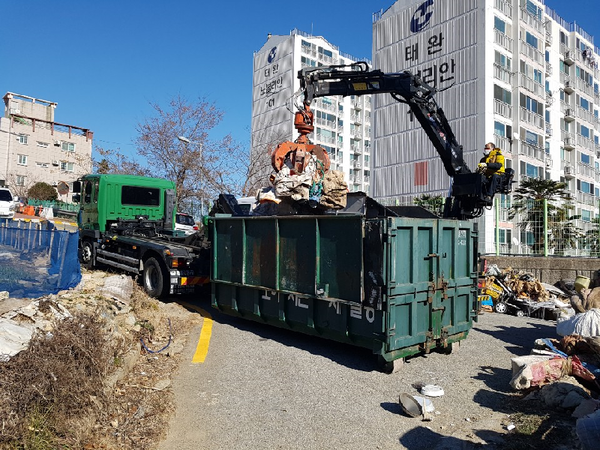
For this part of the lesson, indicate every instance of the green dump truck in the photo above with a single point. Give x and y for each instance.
(127, 222)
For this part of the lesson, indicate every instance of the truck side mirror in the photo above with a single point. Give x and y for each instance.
(76, 187)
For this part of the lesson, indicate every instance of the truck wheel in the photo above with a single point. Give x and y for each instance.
(154, 278)
(87, 255)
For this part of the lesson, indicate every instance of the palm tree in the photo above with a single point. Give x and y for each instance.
(433, 203)
(591, 239)
(529, 200)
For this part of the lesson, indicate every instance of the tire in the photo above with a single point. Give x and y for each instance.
(520, 313)
(501, 308)
(153, 278)
(86, 256)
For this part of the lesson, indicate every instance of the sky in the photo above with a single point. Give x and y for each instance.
(104, 62)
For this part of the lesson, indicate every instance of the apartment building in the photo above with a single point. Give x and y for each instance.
(35, 148)
(342, 124)
(510, 71)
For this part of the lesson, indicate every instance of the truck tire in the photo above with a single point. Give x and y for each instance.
(154, 278)
(86, 257)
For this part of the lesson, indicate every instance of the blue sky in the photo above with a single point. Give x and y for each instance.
(103, 62)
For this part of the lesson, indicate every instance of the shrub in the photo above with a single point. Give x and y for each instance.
(42, 191)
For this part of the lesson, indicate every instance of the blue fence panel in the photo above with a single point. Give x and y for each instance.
(36, 259)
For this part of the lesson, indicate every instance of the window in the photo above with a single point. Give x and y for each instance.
(585, 187)
(531, 105)
(307, 61)
(531, 171)
(584, 131)
(564, 39)
(135, 195)
(584, 103)
(22, 139)
(67, 166)
(586, 215)
(534, 10)
(503, 60)
(532, 138)
(502, 130)
(504, 235)
(502, 94)
(68, 146)
(531, 39)
(585, 159)
(22, 160)
(20, 180)
(42, 144)
(499, 25)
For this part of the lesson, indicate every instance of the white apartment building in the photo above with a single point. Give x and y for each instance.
(342, 124)
(35, 148)
(512, 72)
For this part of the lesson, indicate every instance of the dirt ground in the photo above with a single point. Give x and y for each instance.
(136, 356)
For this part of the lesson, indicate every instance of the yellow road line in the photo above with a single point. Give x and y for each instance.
(205, 333)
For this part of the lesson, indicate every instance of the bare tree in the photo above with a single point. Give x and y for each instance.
(113, 161)
(259, 166)
(200, 167)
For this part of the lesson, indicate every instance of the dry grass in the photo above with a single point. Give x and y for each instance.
(90, 384)
(50, 393)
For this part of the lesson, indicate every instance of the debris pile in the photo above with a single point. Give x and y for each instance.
(520, 293)
(563, 373)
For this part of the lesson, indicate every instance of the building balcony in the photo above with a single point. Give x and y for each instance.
(502, 74)
(569, 115)
(532, 151)
(569, 172)
(532, 53)
(549, 98)
(356, 118)
(569, 57)
(504, 6)
(586, 143)
(569, 87)
(503, 40)
(502, 109)
(531, 118)
(585, 198)
(568, 141)
(586, 170)
(548, 130)
(548, 67)
(531, 85)
(357, 165)
(532, 21)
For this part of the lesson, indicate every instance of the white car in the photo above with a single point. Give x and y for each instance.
(7, 204)
(186, 223)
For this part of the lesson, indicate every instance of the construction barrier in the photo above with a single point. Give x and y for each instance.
(37, 259)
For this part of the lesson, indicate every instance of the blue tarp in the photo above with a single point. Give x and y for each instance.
(36, 259)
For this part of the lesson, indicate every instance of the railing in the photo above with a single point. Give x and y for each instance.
(584, 86)
(532, 151)
(586, 115)
(586, 199)
(586, 142)
(502, 73)
(505, 7)
(532, 118)
(325, 122)
(503, 109)
(503, 40)
(531, 85)
(356, 118)
(532, 53)
(532, 21)
(548, 68)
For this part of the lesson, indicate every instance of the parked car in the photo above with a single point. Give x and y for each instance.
(186, 223)
(7, 204)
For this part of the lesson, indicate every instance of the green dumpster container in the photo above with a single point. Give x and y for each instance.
(396, 285)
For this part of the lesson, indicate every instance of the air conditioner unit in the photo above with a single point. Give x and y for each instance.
(568, 170)
(15, 111)
(57, 143)
(55, 162)
(54, 184)
(549, 163)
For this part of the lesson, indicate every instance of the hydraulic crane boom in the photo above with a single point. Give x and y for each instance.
(465, 199)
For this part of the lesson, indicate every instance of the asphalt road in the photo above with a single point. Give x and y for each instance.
(265, 388)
